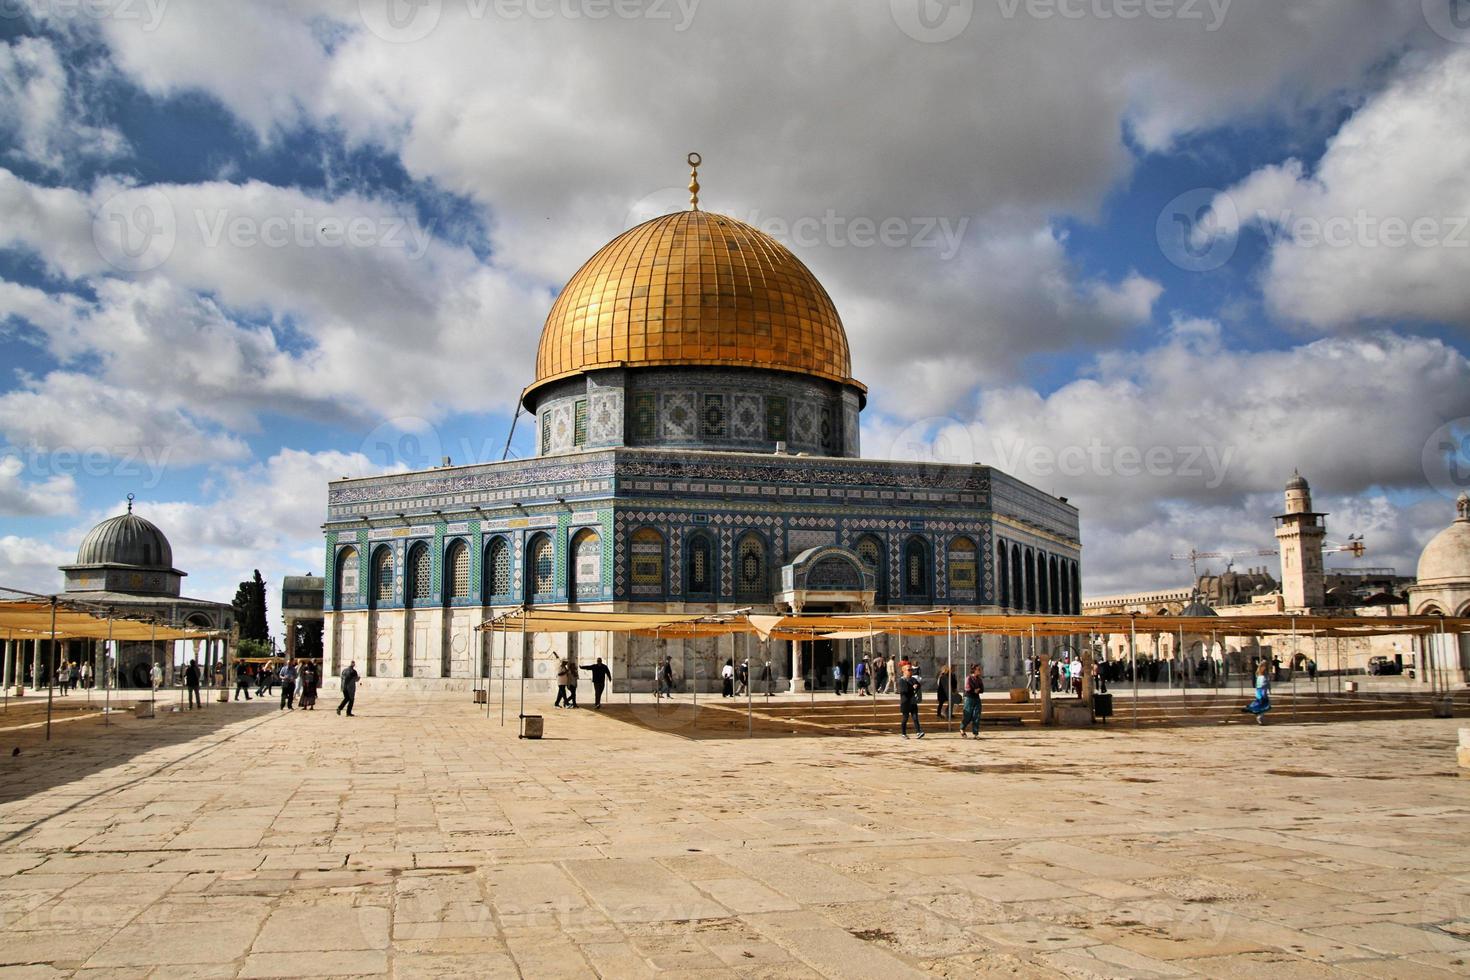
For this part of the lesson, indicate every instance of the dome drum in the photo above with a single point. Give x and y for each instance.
(745, 410)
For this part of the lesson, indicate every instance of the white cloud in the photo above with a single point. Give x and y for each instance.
(1177, 446)
(1381, 229)
(54, 494)
(40, 112)
(108, 431)
(31, 564)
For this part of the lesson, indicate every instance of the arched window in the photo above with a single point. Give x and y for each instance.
(1052, 590)
(1043, 598)
(1018, 580)
(586, 565)
(457, 571)
(497, 569)
(382, 575)
(420, 575)
(750, 559)
(1076, 590)
(1003, 576)
(916, 569)
(542, 566)
(1030, 565)
(646, 550)
(699, 565)
(870, 552)
(963, 569)
(344, 590)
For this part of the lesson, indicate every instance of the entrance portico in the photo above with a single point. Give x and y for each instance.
(827, 579)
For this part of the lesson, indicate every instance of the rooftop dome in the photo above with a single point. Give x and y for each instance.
(1197, 608)
(126, 540)
(1447, 558)
(693, 288)
(1297, 482)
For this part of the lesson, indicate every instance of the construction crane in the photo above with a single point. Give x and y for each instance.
(1354, 546)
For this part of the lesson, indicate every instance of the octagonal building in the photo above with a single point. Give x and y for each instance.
(697, 433)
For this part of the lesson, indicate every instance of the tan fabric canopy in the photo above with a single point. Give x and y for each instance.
(30, 619)
(940, 621)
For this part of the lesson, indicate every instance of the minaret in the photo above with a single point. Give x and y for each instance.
(1300, 532)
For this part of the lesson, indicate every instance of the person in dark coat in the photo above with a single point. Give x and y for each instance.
(310, 680)
(191, 681)
(242, 680)
(288, 686)
(349, 688)
(600, 676)
(909, 691)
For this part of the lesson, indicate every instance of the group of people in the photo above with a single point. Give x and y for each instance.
(567, 674)
(947, 688)
(73, 675)
(1066, 675)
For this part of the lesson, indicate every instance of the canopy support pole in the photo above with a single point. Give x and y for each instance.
(51, 674)
(524, 612)
(106, 687)
(1133, 664)
(949, 685)
(1295, 653)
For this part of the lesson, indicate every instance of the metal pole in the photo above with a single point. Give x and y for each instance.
(51, 674)
(522, 714)
(749, 683)
(1295, 652)
(106, 687)
(949, 672)
(9, 669)
(872, 678)
(153, 662)
(1133, 663)
(504, 647)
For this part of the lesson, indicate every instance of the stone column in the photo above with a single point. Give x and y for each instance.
(1045, 686)
(1087, 678)
(7, 672)
(795, 666)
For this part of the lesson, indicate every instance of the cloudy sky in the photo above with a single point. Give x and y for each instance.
(1149, 254)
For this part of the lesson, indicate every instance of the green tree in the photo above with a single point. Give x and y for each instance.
(250, 611)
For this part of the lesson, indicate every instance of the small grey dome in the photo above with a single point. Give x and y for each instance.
(1297, 482)
(126, 540)
(1197, 608)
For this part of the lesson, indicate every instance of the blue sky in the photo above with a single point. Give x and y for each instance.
(482, 154)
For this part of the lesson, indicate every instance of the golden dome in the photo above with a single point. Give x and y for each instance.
(693, 288)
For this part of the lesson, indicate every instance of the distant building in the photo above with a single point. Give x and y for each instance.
(126, 564)
(303, 613)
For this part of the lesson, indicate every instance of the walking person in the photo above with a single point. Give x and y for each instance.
(74, 676)
(742, 678)
(87, 675)
(155, 677)
(573, 676)
(1262, 703)
(600, 676)
(666, 677)
(768, 681)
(191, 681)
(880, 680)
(349, 688)
(943, 690)
(974, 687)
(861, 678)
(310, 679)
(242, 680)
(561, 685)
(836, 678)
(288, 687)
(890, 675)
(910, 690)
(727, 679)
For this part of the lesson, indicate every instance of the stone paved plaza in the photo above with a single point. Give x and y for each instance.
(421, 839)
